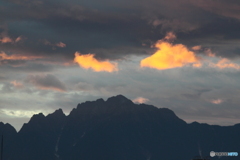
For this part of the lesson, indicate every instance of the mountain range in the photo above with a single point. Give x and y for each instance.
(116, 129)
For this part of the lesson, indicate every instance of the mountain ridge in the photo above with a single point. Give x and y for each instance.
(100, 100)
(116, 129)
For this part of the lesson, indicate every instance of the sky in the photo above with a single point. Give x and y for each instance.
(178, 54)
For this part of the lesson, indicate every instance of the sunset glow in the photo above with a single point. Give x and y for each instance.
(89, 62)
(140, 100)
(225, 63)
(170, 56)
(178, 54)
(4, 56)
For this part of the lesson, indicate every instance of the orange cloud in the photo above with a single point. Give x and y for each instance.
(50, 88)
(6, 40)
(216, 101)
(140, 100)
(225, 63)
(18, 39)
(197, 65)
(88, 61)
(196, 48)
(4, 56)
(170, 36)
(17, 84)
(210, 53)
(170, 56)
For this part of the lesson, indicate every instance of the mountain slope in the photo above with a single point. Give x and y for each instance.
(118, 129)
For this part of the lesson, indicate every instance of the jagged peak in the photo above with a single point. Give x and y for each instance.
(8, 124)
(100, 100)
(10, 127)
(5, 124)
(37, 117)
(7, 127)
(119, 98)
(195, 123)
(122, 104)
(58, 112)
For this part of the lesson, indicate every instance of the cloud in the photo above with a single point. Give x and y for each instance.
(59, 44)
(2, 78)
(174, 24)
(216, 101)
(89, 61)
(83, 86)
(170, 36)
(170, 56)
(196, 48)
(140, 100)
(20, 113)
(4, 56)
(18, 39)
(6, 40)
(224, 8)
(210, 53)
(225, 63)
(114, 34)
(47, 82)
(17, 84)
(197, 65)
(102, 30)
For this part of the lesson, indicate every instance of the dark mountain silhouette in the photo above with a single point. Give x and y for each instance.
(116, 129)
(9, 133)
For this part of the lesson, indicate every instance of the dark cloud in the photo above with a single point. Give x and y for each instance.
(225, 8)
(16, 66)
(196, 95)
(47, 82)
(113, 30)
